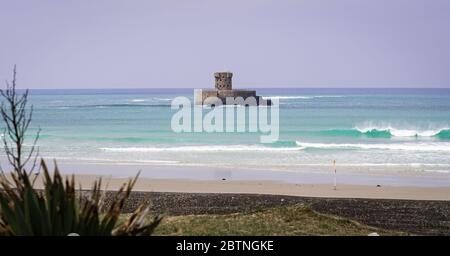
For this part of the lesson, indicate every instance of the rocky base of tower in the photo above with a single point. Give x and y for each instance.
(229, 97)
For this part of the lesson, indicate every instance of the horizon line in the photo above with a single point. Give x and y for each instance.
(193, 88)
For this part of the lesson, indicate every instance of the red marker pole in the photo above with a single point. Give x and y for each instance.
(334, 166)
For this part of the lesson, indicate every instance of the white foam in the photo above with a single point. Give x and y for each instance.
(138, 100)
(215, 148)
(439, 146)
(106, 160)
(402, 132)
(302, 97)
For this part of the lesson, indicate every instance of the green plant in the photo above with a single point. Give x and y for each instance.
(58, 209)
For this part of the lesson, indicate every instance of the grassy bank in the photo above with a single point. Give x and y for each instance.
(289, 221)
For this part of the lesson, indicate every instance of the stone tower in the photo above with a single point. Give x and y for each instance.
(223, 80)
(223, 90)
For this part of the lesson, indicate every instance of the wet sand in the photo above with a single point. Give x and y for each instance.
(271, 188)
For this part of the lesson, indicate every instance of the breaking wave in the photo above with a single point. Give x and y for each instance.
(426, 147)
(203, 148)
(395, 132)
(290, 147)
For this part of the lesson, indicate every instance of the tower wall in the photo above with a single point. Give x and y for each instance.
(223, 80)
(223, 90)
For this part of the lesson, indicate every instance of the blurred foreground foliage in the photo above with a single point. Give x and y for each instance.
(58, 209)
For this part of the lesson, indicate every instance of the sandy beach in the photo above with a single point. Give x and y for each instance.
(271, 188)
(190, 179)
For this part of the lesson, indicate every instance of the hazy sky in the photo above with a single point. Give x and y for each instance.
(167, 43)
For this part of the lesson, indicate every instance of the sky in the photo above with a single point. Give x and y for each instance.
(265, 43)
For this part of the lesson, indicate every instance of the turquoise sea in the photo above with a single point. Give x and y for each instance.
(364, 130)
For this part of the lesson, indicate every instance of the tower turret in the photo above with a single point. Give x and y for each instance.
(224, 90)
(223, 80)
